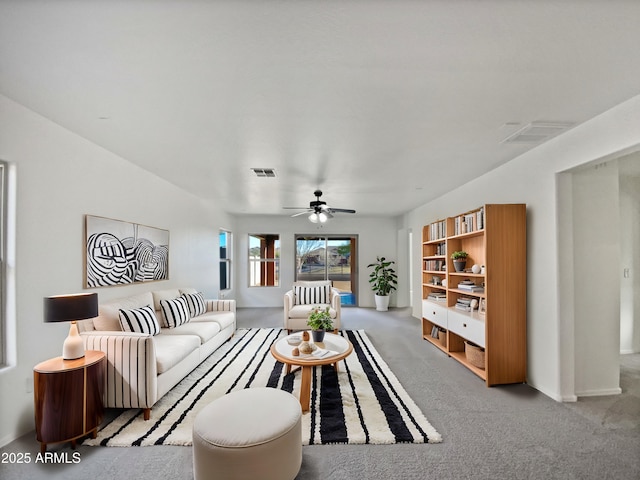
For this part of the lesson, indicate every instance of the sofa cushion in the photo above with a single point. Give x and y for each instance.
(195, 302)
(108, 318)
(168, 294)
(205, 330)
(139, 320)
(172, 349)
(188, 290)
(174, 312)
(311, 295)
(222, 318)
(303, 311)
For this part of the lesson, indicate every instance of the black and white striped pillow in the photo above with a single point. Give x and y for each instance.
(139, 320)
(175, 312)
(309, 295)
(195, 302)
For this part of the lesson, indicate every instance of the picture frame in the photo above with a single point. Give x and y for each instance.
(117, 252)
(482, 306)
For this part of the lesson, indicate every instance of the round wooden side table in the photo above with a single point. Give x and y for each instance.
(68, 398)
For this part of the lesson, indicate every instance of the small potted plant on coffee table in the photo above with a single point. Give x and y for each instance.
(319, 321)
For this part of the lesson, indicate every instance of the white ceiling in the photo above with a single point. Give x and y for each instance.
(383, 105)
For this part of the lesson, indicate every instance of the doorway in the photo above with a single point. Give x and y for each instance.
(329, 257)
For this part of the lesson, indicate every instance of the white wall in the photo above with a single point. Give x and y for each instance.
(630, 254)
(596, 261)
(531, 179)
(376, 236)
(60, 178)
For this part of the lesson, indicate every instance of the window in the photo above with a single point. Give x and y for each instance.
(264, 260)
(329, 257)
(225, 260)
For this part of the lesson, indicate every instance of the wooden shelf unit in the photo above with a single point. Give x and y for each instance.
(495, 237)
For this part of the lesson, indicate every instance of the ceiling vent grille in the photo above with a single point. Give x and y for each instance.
(538, 132)
(264, 172)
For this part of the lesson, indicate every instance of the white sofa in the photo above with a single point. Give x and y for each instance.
(142, 367)
(298, 307)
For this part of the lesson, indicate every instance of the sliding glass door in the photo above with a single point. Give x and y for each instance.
(329, 257)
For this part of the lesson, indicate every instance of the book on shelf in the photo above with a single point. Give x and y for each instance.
(437, 296)
(471, 288)
(434, 265)
(469, 222)
(437, 230)
(465, 308)
(434, 332)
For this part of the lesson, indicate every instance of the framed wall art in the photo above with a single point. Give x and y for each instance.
(122, 253)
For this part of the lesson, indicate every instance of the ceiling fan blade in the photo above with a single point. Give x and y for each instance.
(295, 208)
(301, 213)
(341, 210)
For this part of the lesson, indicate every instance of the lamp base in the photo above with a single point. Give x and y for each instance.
(73, 346)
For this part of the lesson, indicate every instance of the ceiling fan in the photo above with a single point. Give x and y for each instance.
(319, 211)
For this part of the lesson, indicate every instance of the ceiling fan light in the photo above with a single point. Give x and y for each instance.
(318, 217)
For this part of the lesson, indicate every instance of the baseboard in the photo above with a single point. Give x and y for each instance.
(569, 398)
(549, 394)
(600, 393)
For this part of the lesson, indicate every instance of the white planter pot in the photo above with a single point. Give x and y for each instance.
(382, 303)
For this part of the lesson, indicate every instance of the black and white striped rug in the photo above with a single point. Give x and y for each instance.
(363, 403)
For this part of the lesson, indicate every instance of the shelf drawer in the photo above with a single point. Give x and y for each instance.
(435, 313)
(467, 327)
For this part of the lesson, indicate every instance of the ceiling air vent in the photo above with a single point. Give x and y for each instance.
(264, 172)
(538, 132)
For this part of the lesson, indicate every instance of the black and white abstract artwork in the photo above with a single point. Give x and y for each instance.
(121, 253)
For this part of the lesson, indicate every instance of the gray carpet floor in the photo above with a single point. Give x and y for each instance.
(506, 432)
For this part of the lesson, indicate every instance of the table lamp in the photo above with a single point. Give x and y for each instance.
(69, 308)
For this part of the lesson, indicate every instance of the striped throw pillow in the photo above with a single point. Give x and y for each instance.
(139, 320)
(309, 295)
(195, 302)
(175, 312)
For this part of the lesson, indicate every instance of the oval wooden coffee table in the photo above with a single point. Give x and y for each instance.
(339, 347)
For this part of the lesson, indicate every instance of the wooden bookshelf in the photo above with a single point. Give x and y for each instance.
(494, 236)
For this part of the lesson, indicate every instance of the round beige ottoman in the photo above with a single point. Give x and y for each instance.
(252, 434)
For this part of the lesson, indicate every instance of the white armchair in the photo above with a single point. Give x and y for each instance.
(304, 296)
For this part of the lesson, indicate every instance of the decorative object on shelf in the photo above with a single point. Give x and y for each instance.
(442, 337)
(474, 354)
(482, 307)
(436, 280)
(383, 280)
(120, 253)
(319, 321)
(69, 308)
(444, 282)
(483, 270)
(475, 268)
(474, 304)
(459, 260)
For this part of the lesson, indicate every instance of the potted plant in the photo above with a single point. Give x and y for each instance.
(459, 260)
(319, 321)
(383, 280)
